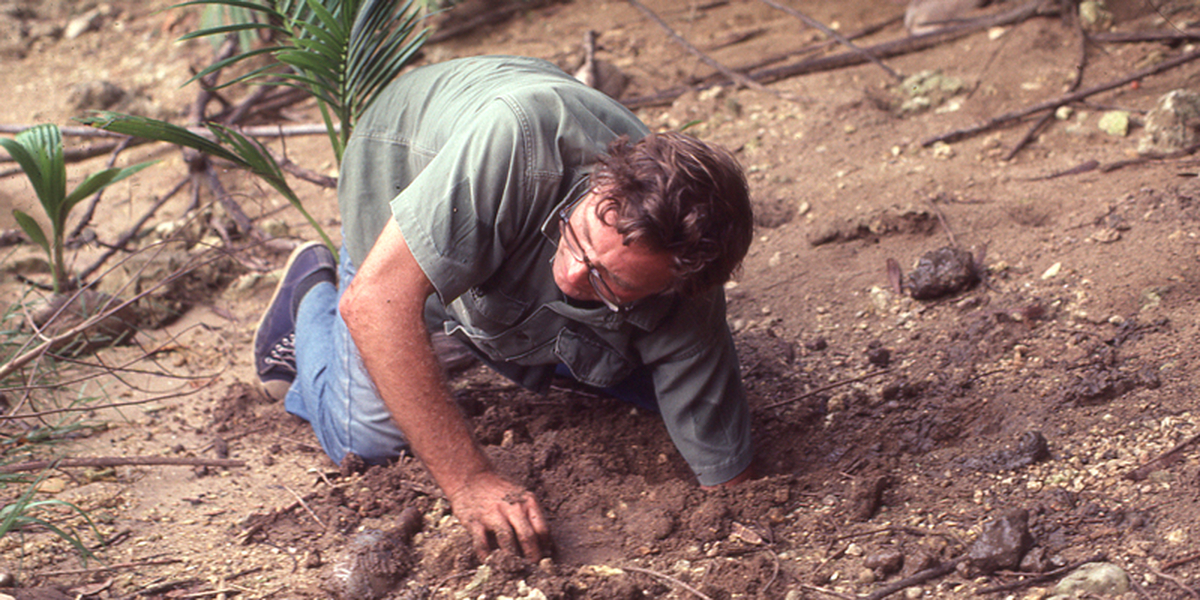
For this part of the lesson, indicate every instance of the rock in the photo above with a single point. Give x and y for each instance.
(927, 16)
(1094, 15)
(1036, 561)
(371, 567)
(1098, 578)
(879, 356)
(1031, 448)
(1001, 544)
(1115, 123)
(886, 561)
(1172, 124)
(88, 21)
(942, 272)
(926, 89)
(866, 496)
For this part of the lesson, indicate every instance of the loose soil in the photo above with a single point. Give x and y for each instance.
(883, 425)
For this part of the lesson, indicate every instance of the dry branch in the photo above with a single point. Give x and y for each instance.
(1071, 17)
(915, 579)
(120, 461)
(1054, 103)
(826, 388)
(706, 59)
(1129, 37)
(841, 39)
(1162, 460)
(848, 59)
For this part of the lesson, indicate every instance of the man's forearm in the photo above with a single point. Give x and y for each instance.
(383, 309)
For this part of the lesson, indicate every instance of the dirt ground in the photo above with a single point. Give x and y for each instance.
(889, 430)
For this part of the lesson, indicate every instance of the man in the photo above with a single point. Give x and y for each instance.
(499, 201)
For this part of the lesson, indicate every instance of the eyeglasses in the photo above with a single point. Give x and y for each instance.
(603, 292)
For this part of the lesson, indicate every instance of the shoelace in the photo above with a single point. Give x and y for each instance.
(283, 354)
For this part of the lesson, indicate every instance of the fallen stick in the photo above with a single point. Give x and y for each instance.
(848, 59)
(103, 568)
(826, 388)
(841, 39)
(915, 579)
(668, 578)
(1127, 37)
(1072, 17)
(809, 49)
(706, 59)
(120, 461)
(1054, 103)
(1039, 578)
(257, 131)
(1162, 460)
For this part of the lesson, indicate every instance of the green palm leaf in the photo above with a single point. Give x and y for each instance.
(342, 52)
(226, 144)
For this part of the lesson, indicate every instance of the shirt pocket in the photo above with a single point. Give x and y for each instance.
(592, 361)
(494, 325)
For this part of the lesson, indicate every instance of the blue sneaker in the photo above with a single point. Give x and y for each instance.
(275, 339)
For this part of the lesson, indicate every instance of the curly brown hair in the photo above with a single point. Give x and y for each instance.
(677, 194)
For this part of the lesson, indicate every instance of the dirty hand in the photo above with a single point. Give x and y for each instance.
(492, 507)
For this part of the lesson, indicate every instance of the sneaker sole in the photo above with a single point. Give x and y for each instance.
(276, 389)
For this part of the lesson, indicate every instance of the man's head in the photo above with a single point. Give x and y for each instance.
(672, 193)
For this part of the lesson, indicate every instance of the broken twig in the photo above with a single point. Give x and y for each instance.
(841, 39)
(708, 60)
(1054, 103)
(1162, 460)
(1071, 17)
(121, 461)
(826, 388)
(665, 577)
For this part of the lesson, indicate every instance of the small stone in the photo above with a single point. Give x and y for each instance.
(1002, 543)
(942, 272)
(880, 357)
(1172, 124)
(371, 567)
(1107, 235)
(886, 561)
(1115, 123)
(84, 23)
(1098, 578)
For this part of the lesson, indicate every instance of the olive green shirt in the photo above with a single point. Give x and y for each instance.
(473, 158)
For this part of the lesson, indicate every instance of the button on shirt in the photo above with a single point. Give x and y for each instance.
(473, 158)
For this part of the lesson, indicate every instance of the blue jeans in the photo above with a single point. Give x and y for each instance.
(332, 390)
(334, 393)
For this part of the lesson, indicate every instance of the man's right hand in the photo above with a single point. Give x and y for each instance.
(493, 508)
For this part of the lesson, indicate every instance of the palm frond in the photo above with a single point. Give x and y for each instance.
(343, 52)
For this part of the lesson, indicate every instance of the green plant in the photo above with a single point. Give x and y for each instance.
(39, 152)
(23, 512)
(229, 145)
(342, 52)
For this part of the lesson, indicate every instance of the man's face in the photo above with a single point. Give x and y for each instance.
(630, 272)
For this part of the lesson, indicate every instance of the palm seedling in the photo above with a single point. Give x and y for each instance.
(341, 52)
(39, 152)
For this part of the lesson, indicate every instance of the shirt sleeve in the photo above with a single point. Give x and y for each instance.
(463, 215)
(699, 388)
